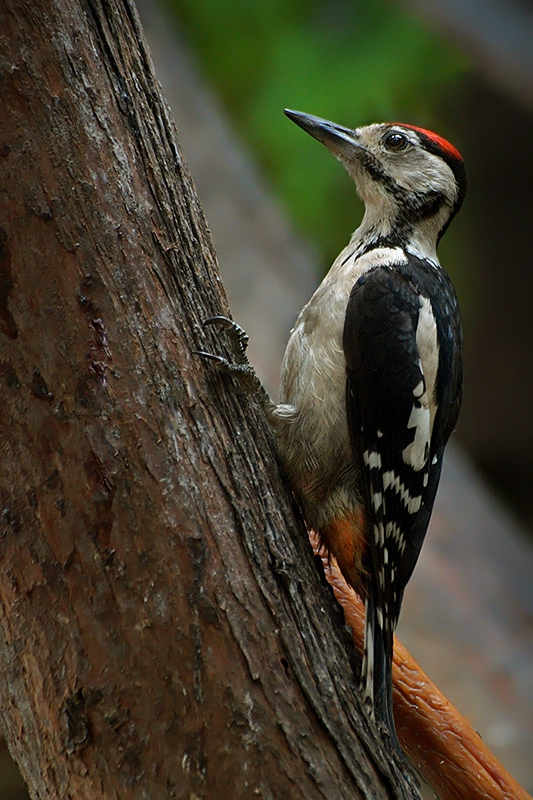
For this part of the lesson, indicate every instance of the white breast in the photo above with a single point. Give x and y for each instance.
(310, 420)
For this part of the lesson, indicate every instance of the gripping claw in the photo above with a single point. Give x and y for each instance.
(241, 369)
(238, 337)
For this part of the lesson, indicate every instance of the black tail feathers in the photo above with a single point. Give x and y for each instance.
(376, 677)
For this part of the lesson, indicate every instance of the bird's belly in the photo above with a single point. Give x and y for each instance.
(310, 420)
(311, 424)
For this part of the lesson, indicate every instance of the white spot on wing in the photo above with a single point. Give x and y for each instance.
(377, 499)
(419, 389)
(393, 531)
(428, 350)
(424, 409)
(427, 344)
(372, 459)
(379, 534)
(415, 453)
(393, 481)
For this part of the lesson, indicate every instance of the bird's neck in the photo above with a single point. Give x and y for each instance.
(386, 227)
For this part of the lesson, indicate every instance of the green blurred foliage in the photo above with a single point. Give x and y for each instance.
(351, 61)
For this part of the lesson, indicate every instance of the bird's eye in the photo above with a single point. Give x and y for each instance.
(395, 141)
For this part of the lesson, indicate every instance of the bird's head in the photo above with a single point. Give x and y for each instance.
(411, 180)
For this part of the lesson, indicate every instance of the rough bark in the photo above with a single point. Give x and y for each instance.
(164, 631)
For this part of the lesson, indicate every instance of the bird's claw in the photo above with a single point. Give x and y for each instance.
(237, 336)
(242, 370)
(212, 357)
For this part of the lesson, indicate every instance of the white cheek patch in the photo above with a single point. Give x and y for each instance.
(428, 170)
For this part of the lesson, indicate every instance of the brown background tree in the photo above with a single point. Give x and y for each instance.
(164, 631)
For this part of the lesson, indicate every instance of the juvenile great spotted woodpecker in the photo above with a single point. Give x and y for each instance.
(371, 380)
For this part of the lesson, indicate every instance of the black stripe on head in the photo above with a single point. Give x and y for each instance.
(378, 174)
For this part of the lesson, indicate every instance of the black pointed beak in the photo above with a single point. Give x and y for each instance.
(341, 141)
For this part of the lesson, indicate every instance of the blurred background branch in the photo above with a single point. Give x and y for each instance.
(496, 33)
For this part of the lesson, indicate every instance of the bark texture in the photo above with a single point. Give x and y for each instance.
(164, 631)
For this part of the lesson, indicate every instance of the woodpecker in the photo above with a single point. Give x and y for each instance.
(371, 380)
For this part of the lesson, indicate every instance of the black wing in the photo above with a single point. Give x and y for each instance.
(403, 390)
(403, 393)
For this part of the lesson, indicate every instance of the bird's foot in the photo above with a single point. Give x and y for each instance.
(240, 368)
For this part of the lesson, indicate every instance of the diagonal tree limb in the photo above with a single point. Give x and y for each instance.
(448, 753)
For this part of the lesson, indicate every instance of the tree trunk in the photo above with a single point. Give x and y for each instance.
(164, 631)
